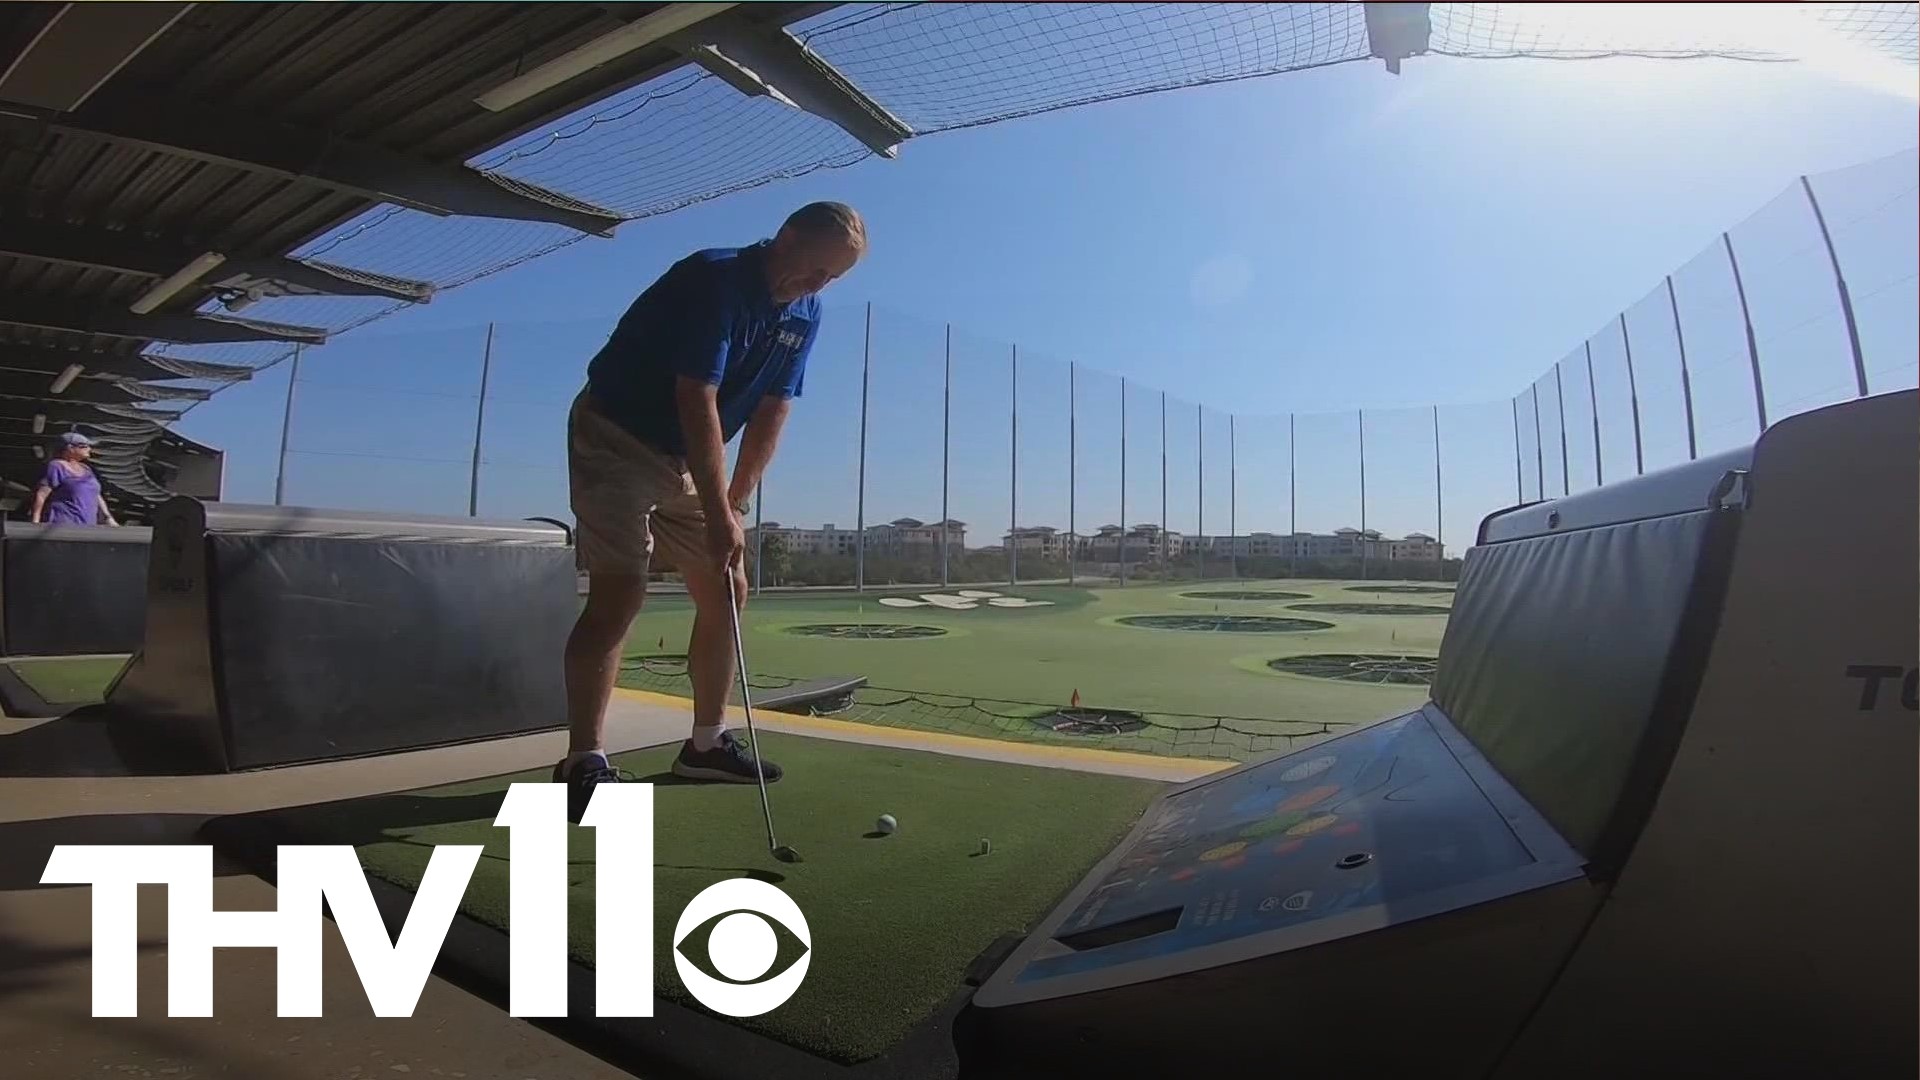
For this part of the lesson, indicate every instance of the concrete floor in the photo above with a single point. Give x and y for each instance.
(51, 792)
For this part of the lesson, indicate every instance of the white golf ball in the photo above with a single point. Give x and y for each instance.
(886, 824)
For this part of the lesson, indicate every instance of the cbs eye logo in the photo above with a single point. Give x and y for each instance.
(737, 917)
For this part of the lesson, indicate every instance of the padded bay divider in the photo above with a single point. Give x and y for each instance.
(71, 590)
(1571, 661)
(284, 635)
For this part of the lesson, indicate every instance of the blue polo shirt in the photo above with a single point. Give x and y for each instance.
(709, 317)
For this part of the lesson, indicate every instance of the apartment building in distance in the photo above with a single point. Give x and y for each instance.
(902, 536)
(1107, 544)
(1144, 543)
(1141, 543)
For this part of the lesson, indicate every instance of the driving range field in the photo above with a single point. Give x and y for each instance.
(1184, 655)
(1270, 660)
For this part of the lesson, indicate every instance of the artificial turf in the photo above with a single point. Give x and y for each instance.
(69, 680)
(894, 920)
(1075, 643)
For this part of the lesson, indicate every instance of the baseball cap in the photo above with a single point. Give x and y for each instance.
(74, 438)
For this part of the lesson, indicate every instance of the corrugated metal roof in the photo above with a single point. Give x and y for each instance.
(401, 77)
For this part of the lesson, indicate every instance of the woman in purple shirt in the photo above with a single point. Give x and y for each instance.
(69, 492)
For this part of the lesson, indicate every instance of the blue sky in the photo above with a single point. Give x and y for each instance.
(1311, 243)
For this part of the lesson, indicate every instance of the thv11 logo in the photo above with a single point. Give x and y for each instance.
(393, 971)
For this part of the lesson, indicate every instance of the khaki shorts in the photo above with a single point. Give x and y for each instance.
(627, 497)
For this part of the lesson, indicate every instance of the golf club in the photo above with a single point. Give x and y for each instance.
(780, 851)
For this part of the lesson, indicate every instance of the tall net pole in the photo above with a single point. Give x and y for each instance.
(1233, 501)
(1519, 485)
(860, 499)
(946, 454)
(1753, 344)
(1293, 507)
(1633, 398)
(1846, 298)
(1123, 482)
(1439, 508)
(1200, 490)
(1365, 546)
(1539, 454)
(1013, 473)
(1165, 540)
(1686, 377)
(286, 430)
(479, 425)
(1073, 460)
(1593, 399)
(1560, 395)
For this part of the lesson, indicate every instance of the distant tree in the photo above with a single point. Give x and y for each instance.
(776, 562)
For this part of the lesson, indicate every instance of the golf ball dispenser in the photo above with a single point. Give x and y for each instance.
(1600, 846)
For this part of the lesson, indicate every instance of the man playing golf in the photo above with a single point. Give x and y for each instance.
(717, 344)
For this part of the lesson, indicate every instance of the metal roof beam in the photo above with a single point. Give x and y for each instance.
(129, 253)
(180, 329)
(662, 21)
(22, 387)
(80, 48)
(51, 361)
(769, 61)
(207, 132)
(17, 413)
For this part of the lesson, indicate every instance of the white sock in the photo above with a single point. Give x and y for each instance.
(578, 756)
(706, 737)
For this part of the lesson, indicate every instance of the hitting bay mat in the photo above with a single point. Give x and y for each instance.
(895, 920)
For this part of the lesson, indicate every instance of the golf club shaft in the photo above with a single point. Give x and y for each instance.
(746, 704)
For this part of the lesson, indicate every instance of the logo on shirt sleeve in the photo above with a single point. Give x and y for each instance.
(792, 332)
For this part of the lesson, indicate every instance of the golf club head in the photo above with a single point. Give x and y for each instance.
(786, 854)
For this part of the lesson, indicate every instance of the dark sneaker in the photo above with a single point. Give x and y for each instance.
(581, 781)
(731, 761)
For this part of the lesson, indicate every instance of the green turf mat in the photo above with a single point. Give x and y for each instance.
(894, 920)
(69, 680)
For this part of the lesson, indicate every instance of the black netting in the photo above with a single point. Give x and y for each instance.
(672, 143)
(944, 66)
(1774, 33)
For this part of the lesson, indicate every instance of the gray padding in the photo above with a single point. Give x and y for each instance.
(1556, 655)
(1677, 489)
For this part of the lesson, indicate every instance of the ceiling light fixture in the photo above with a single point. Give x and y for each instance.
(65, 379)
(166, 288)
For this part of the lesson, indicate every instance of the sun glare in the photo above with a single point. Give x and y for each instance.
(1792, 32)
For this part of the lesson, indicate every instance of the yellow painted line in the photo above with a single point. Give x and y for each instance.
(931, 739)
